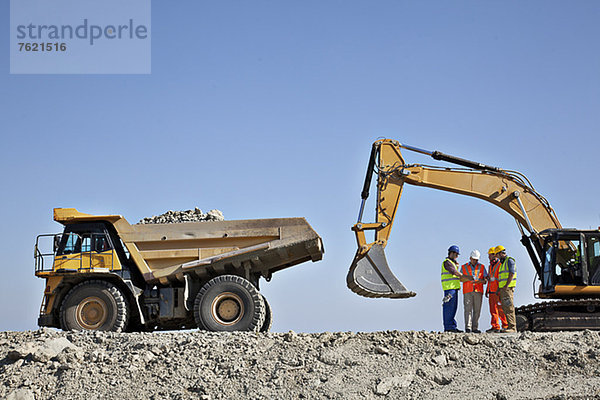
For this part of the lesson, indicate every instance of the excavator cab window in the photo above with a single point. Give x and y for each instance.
(548, 273)
(568, 262)
(593, 251)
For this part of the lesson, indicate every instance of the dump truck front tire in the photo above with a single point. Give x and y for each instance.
(266, 326)
(95, 306)
(229, 303)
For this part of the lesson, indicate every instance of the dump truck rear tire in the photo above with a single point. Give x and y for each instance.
(95, 306)
(229, 303)
(266, 326)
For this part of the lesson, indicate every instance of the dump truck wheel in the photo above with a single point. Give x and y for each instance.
(94, 306)
(266, 326)
(229, 303)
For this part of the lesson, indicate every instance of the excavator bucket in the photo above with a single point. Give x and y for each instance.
(370, 276)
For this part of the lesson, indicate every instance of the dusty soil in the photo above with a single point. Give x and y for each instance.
(48, 364)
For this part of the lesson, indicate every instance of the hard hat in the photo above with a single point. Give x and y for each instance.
(499, 248)
(475, 254)
(492, 250)
(454, 248)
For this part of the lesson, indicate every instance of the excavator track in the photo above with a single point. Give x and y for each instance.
(559, 315)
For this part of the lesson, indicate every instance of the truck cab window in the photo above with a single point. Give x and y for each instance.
(86, 244)
(70, 244)
(101, 243)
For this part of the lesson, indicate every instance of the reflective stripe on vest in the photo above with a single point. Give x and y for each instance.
(449, 281)
(494, 267)
(468, 287)
(503, 275)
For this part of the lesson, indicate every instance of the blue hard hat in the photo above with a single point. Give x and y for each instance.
(454, 248)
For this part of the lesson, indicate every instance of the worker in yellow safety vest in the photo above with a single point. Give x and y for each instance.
(507, 280)
(451, 278)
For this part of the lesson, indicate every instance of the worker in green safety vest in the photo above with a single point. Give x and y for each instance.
(507, 280)
(451, 278)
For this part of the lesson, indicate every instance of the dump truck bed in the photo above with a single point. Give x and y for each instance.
(167, 252)
(205, 249)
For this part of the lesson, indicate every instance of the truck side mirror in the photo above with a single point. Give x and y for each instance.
(56, 243)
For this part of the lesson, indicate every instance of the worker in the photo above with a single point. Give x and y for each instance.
(451, 278)
(507, 280)
(473, 291)
(498, 317)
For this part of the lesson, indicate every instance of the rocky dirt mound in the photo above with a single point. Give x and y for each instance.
(195, 215)
(46, 364)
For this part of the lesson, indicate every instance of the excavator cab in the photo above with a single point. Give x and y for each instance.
(571, 262)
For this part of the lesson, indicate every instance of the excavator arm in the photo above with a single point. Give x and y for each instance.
(370, 275)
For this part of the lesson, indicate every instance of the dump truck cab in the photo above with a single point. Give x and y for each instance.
(86, 246)
(104, 274)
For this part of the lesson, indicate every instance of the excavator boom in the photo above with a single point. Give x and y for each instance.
(370, 274)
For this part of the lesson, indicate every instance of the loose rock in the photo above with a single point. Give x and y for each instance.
(198, 364)
(20, 394)
(195, 215)
(387, 384)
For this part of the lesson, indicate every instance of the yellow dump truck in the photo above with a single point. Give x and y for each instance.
(103, 273)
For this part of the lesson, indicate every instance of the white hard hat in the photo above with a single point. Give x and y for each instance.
(475, 254)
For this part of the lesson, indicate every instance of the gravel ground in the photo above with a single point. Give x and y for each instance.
(195, 215)
(48, 364)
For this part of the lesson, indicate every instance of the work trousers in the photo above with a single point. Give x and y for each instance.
(498, 317)
(449, 308)
(507, 295)
(472, 305)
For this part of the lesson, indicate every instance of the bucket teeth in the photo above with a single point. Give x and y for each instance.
(370, 276)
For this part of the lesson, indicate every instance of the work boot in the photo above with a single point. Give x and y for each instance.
(508, 331)
(492, 330)
(467, 330)
(454, 330)
(476, 331)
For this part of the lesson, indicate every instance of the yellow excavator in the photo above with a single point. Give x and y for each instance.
(566, 261)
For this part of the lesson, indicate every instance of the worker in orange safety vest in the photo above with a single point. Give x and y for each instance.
(498, 318)
(473, 291)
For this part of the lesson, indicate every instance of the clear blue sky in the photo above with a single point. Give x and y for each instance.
(268, 109)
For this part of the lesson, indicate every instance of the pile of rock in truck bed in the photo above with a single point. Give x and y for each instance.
(48, 364)
(195, 215)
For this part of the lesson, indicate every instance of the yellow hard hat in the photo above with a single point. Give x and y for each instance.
(492, 250)
(499, 248)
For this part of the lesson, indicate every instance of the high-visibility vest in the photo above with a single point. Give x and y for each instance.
(449, 281)
(503, 275)
(494, 271)
(467, 269)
